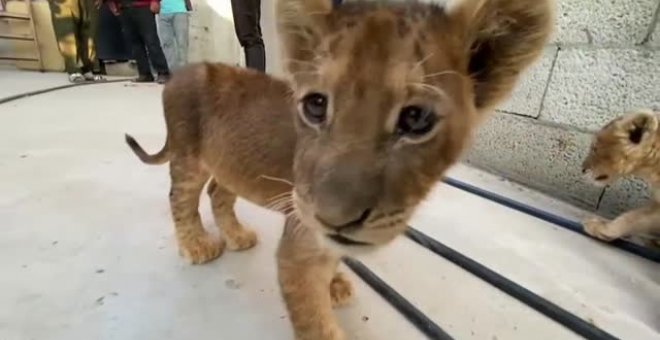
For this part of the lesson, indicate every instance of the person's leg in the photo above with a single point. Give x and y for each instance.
(133, 38)
(64, 14)
(248, 30)
(81, 49)
(167, 33)
(147, 26)
(181, 33)
(88, 30)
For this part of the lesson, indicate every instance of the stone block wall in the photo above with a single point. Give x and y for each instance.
(603, 60)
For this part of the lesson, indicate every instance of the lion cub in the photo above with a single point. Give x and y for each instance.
(627, 146)
(382, 98)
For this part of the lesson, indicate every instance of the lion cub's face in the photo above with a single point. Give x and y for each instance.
(388, 98)
(621, 146)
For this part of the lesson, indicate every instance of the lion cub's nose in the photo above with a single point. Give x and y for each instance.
(341, 220)
(347, 190)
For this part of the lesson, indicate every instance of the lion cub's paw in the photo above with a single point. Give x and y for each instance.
(341, 290)
(241, 240)
(201, 249)
(599, 228)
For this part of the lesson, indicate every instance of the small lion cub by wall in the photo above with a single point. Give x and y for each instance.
(628, 145)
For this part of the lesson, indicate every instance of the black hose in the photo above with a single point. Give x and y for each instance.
(410, 312)
(545, 307)
(51, 89)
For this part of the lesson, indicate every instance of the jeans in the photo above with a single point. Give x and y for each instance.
(139, 25)
(173, 31)
(247, 14)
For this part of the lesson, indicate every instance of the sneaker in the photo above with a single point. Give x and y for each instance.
(143, 79)
(163, 78)
(94, 77)
(76, 78)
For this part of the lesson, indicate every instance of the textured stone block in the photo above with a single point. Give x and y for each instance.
(589, 87)
(613, 22)
(622, 196)
(541, 156)
(527, 97)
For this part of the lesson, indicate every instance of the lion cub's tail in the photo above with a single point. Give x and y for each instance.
(158, 158)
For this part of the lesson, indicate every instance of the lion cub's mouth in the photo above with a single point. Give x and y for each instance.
(341, 239)
(602, 178)
(596, 178)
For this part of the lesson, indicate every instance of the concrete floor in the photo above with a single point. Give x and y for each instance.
(87, 248)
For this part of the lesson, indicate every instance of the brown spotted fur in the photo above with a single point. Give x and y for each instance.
(243, 130)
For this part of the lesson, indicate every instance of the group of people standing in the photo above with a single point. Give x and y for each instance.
(162, 46)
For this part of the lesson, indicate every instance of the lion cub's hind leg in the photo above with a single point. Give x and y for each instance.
(195, 243)
(222, 203)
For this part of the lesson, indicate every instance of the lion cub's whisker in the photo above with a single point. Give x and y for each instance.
(277, 179)
(421, 62)
(278, 196)
(442, 73)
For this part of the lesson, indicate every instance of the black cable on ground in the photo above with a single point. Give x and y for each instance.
(51, 89)
(545, 307)
(410, 312)
(636, 249)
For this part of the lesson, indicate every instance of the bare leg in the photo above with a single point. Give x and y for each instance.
(638, 221)
(309, 284)
(222, 202)
(195, 243)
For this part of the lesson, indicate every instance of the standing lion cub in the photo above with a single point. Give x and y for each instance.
(627, 146)
(381, 100)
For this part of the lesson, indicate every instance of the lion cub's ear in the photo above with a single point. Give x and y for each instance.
(639, 125)
(301, 25)
(502, 38)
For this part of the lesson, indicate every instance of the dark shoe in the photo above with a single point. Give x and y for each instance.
(163, 78)
(143, 79)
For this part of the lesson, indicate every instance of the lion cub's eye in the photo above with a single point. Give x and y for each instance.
(315, 107)
(415, 121)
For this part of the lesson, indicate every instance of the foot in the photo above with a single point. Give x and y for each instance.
(163, 78)
(341, 290)
(241, 239)
(201, 249)
(76, 77)
(600, 229)
(144, 79)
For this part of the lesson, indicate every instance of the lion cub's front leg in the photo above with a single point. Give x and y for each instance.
(341, 290)
(638, 221)
(310, 285)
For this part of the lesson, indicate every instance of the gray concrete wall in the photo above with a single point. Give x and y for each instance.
(603, 60)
